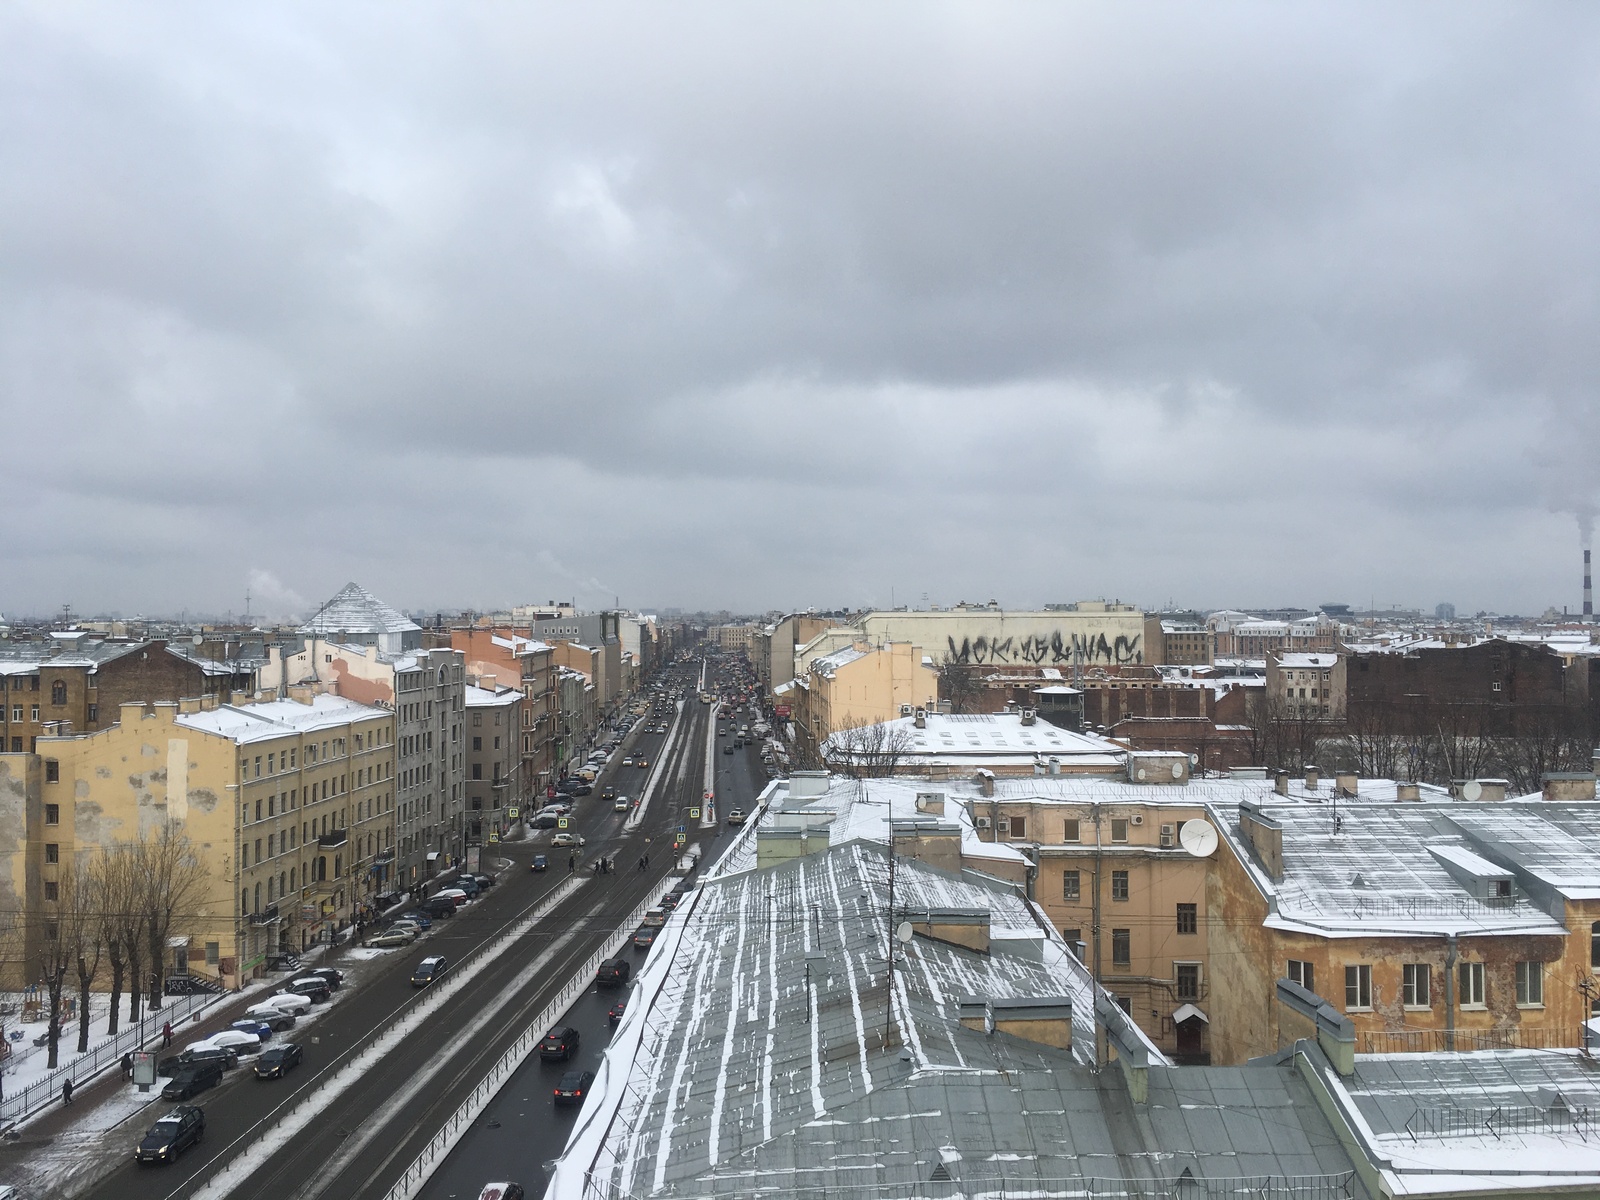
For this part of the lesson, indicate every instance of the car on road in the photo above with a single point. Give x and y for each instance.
(656, 917)
(736, 816)
(275, 1018)
(493, 1191)
(574, 1086)
(644, 937)
(541, 862)
(391, 938)
(609, 792)
(565, 839)
(628, 761)
(312, 987)
(614, 972)
(193, 1079)
(643, 764)
(174, 1133)
(728, 749)
(560, 1044)
(620, 804)
(429, 970)
(614, 1013)
(277, 1061)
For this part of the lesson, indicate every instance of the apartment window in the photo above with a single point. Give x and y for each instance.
(1471, 976)
(213, 953)
(1125, 1003)
(1416, 982)
(497, 739)
(477, 719)
(52, 852)
(1073, 937)
(52, 771)
(1530, 985)
(1019, 827)
(1119, 830)
(94, 713)
(1594, 945)
(16, 742)
(1119, 885)
(58, 693)
(477, 743)
(1070, 886)
(477, 770)
(258, 766)
(1121, 948)
(35, 711)
(258, 810)
(1188, 981)
(1070, 834)
(1301, 972)
(1188, 918)
(16, 712)
(51, 890)
(1358, 988)
(52, 814)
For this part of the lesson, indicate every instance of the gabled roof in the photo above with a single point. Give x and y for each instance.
(356, 610)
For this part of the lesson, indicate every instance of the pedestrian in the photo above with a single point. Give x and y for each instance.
(572, 863)
(66, 1092)
(127, 1067)
(166, 1035)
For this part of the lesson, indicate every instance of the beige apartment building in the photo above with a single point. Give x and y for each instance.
(861, 685)
(288, 805)
(494, 792)
(1306, 685)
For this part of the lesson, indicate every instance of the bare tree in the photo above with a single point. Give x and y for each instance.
(959, 685)
(54, 956)
(117, 885)
(868, 751)
(82, 927)
(174, 883)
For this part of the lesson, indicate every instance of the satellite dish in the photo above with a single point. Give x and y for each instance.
(902, 931)
(1472, 790)
(1194, 760)
(1199, 838)
(198, 639)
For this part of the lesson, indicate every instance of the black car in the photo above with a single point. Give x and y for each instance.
(669, 901)
(193, 1078)
(614, 1013)
(574, 1086)
(485, 881)
(332, 976)
(440, 906)
(278, 1061)
(645, 937)
(388, 899)
(222, 1056)
(582, 789)
(560, 1044)
(313, 987)
(174, 1133)
(609, 792)
(614, 972)
(728, 749)
(429, 970)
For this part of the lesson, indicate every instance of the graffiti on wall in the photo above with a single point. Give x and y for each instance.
(1037, 649)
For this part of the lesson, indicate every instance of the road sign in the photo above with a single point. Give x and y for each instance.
(694, 814)
(680, 828)
(561, 822)
(494, 836)
(511, 814)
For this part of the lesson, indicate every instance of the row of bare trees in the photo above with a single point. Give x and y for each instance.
(114, 909)
(1426, 741)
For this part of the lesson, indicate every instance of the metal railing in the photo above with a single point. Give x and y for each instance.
(1497, 1121)
(1422, 1041)
(442, 1142)
(42, 1092)
(1020, 1187)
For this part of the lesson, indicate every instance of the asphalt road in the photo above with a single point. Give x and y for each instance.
(365, 1137)
(522, 1132)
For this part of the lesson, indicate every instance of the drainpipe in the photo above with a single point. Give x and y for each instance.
(1449, 991)
(1094, 931)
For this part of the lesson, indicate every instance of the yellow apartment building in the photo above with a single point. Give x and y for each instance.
(289, 805)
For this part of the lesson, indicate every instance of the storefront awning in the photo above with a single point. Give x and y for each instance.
(432, 854)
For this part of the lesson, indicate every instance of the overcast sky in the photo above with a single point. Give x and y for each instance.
(753, 306)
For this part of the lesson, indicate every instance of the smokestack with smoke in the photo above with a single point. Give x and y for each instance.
(1588, 589)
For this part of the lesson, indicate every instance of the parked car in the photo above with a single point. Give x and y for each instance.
(541, 862)
(644, 937)
(440, 906)
(421, 918)
(174, 1133)
(560, 1044)
(169, 1067)
(389, 939)
(565, 839)
(574, 1086)
(614, 972)
(332, 975)
(429, 970)
(583, 789)
(455, 895)
(547, 820)
(406, 925)
(231, 1039)
(277, 1061)
(469, 885)
(496, 1191)
(275, 1018)
(260, 1030)
(193, 1079)
(311, 987)
(290, 1002)
(485, 881)
(736, 816)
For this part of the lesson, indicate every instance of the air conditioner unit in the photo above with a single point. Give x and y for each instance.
(1136, 819)
(1168, 836)
(906, 710)
(1005, 824)
(981, 822)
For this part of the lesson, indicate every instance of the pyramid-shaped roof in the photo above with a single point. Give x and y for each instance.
(356, 610)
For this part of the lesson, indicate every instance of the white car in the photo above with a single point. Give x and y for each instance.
(231, 1039)
(566, 839)
(288, 1002)
(621, 804)
(456, 894)
(272, 1014)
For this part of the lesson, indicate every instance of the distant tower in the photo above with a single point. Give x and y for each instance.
(1588, 589)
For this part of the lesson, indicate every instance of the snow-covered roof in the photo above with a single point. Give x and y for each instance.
(971, 739)
(829, 663)
(478, 697)
(1558, 844)
(1307, 660)
(276, 718)
(356, 610)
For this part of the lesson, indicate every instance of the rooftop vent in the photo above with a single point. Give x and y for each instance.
(1358, 881)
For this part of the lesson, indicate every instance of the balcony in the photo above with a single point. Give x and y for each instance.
(267, 916)
(334, 838)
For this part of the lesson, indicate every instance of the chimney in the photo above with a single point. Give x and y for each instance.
(1312, 779)
(1588, 589)
(1345, 783)
(986, 782)
(1407, 791)
(1567, 785)
(1280, 782)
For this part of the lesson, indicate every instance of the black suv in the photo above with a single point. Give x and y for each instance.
(560, 1044)
(614, 972)
(429, 970)
(174, 1133)
(192, 1078)
(225, 1057)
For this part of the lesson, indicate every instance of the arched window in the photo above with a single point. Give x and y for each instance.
(1594, 944)
(257, 908)
(270, 893)
(338, 865)
(291, 877)
(322, 867)
(58, 692)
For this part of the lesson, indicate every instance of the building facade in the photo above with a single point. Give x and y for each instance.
(495, 795)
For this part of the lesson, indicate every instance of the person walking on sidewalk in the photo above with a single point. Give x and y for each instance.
(127, 1068)
(66, 1092)
(166, 1035)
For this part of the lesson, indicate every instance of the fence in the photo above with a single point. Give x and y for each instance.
(85, 1066)
(1420, 1041)
(1475, 1122)
(1021, 1187)
(440, 1145)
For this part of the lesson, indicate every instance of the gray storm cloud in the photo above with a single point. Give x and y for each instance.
(751, 307)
